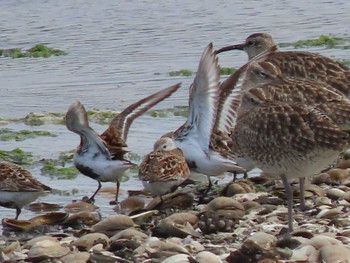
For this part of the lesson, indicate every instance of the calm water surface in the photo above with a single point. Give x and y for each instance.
(122, 51)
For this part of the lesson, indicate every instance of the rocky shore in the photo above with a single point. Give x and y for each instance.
(243, 221)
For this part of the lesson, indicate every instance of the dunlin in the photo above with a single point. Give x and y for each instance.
(289, 140)
(194, 136)
(300, 64)
(18, 187)
(103, 157)
(164, 168)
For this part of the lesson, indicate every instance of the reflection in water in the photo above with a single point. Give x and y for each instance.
(120, 51)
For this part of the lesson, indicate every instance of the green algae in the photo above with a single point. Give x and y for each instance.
(8, 134)
(322, 40)
(101, 116)
(17, 156)
(345, 62)
(37, 119)
(227, 70)
(260, 188)
(181, 72)
(39, 50)
(188, 73)
(61, 168)
(176, 111)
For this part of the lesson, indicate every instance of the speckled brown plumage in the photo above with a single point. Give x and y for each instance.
(269, 79)
(290, 140)
(300, 64)
(18, 187)
(164, 167)
(15, 178)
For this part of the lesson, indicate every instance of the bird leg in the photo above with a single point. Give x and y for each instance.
(18, 211)
(302, 196)
(289, 194)
(245, 176)
(92, 198)
(210, 184)
(116, 195)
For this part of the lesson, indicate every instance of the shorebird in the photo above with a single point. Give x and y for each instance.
(300, 64)
(268, 78)
(271, 83)
(102, 158)
(194, 137)
(164, 168)
(18, 187)
(289, 140)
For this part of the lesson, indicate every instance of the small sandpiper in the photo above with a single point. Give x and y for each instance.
(18, 187)
(195, 136)
(165, 168)
(102, 158)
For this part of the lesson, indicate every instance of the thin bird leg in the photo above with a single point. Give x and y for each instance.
(209, 187)
(18, 211)
(117, 193)
(302, 196)
(234, 176)
(92, 198)
(289, 194)
(114, 202)
(245, 176)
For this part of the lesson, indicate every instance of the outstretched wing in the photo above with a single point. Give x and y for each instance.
(204, 94)
(230, 95)
(117, 132)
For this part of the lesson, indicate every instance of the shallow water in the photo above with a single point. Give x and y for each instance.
(122, 51)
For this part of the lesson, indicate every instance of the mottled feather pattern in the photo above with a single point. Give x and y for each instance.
(299, 64)
(164, 166)
(272, 131)
(17, 179)
(229, 99)
(312, 66)
(116, 134)
(271, 83)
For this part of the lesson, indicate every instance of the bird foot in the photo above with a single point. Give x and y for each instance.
(88, 200)
(114, 202)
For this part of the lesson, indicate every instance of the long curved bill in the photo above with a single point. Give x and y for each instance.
(231, 47)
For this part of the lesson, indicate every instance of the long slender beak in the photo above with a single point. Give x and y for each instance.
(228, 48)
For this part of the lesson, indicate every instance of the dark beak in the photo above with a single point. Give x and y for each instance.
(228, 48)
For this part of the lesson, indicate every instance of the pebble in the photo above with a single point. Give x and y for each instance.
(47, 249)
(249, 226)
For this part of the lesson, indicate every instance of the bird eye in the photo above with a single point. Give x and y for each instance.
(263, 74)
(250, 43)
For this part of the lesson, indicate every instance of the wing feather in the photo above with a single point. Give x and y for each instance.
(204, 94)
